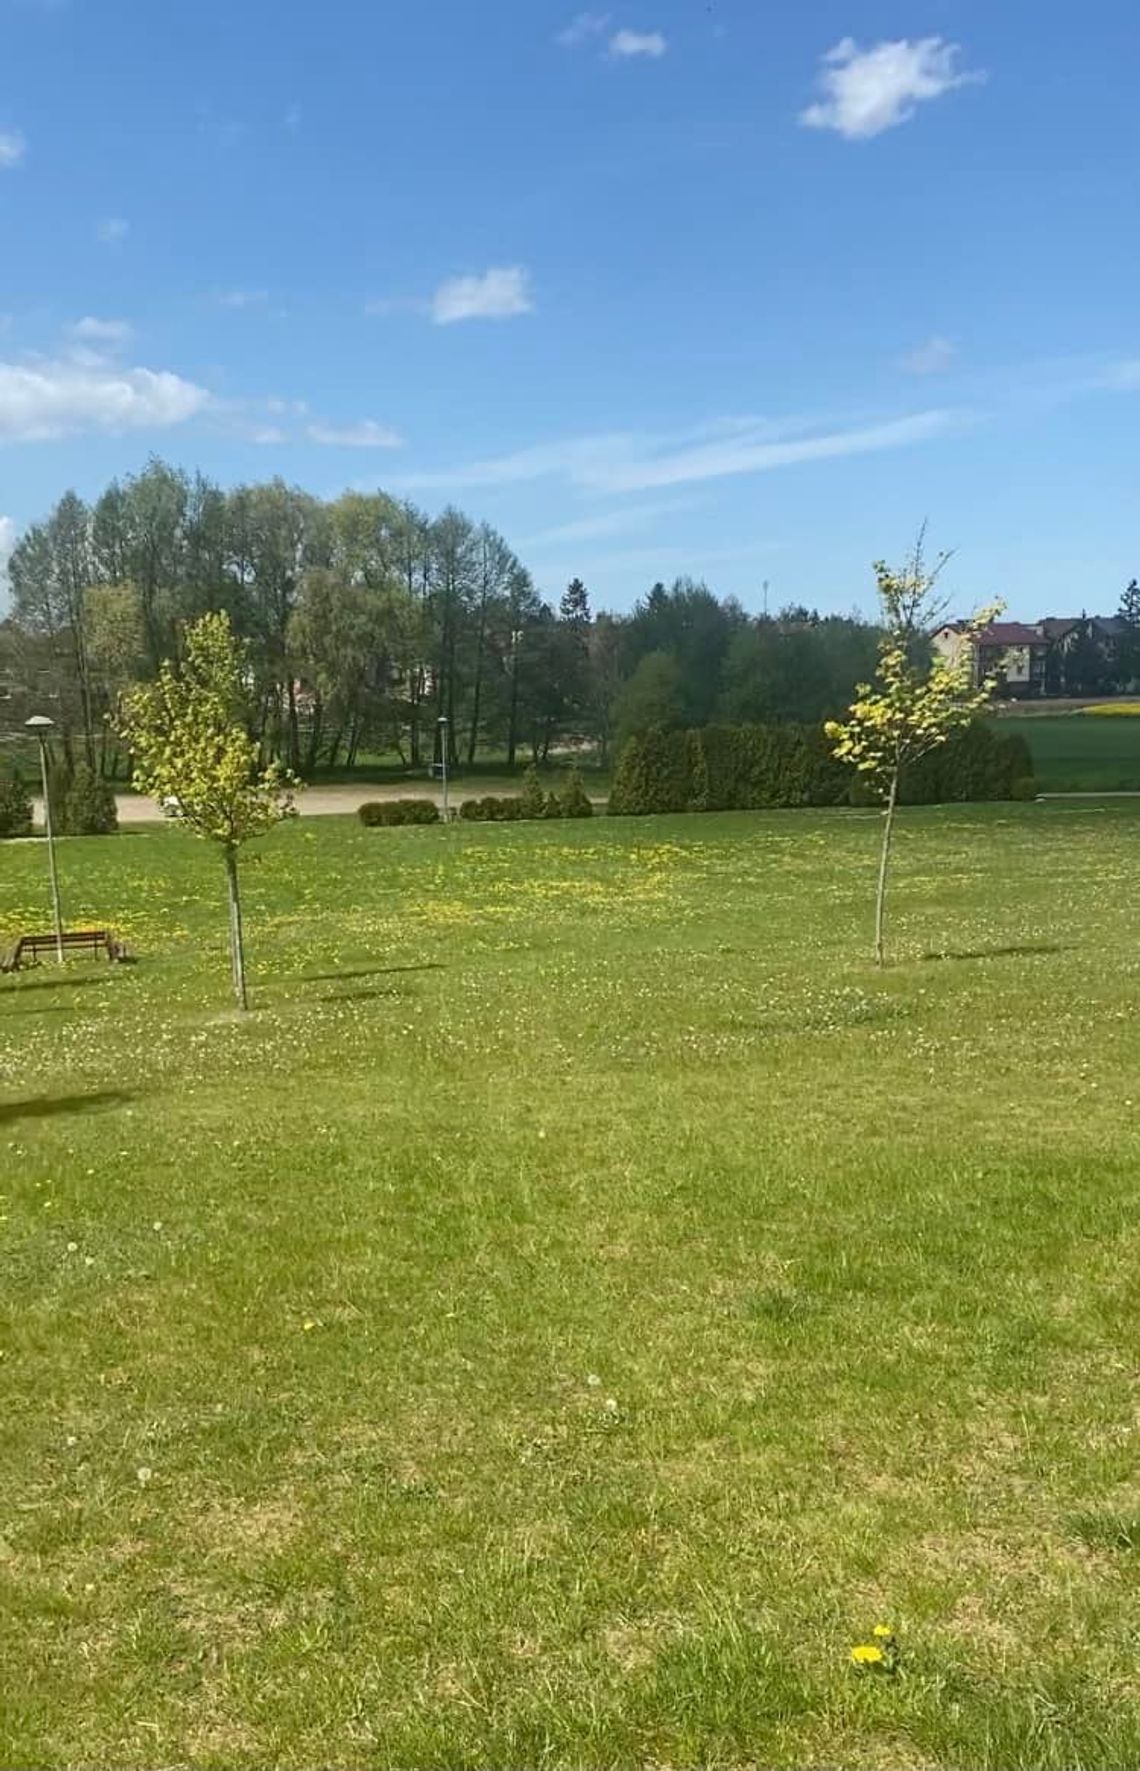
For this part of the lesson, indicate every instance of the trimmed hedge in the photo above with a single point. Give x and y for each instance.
(747, 768)
(492, 810)
(532, 802)
(382, 813)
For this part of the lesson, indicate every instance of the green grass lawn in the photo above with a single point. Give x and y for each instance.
(580, 1301)
(1084, 753)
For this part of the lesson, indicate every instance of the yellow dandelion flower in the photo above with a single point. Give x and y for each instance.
(866, 1654)
(883, 1632)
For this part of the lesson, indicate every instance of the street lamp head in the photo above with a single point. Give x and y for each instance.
(39, 723)
(442, 720)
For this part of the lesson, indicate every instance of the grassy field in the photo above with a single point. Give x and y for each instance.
(580, 1301)
(1083, 753)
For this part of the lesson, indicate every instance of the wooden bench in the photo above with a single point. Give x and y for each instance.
(27, 950)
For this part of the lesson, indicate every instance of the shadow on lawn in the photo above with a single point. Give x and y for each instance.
(48, 1106)
(372, 971)
(53, 981)
(1020, 950)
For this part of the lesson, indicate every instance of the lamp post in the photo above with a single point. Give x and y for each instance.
(441, 726)
(40, 725)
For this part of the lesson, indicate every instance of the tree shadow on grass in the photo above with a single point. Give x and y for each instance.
(49, 1106)
(373, 971)
(359, 995)
(22, 982)
(1019, 950)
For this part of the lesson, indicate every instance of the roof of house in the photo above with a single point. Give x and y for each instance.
(1010, 633)
(1058, 627)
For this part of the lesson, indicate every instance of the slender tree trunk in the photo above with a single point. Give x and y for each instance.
(237, 944)
(294, 728)
(884, 864)
(315, 729)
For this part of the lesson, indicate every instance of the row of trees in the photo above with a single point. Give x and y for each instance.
(364, 621)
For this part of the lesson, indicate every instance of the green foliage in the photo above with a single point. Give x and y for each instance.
(575, 801)
(189, 740)
(87, 807)
(386, 813)
(652, 698)
(726, 768)
(492, 809)
(15, 803)
(552, 805)
(750, 768)
(532, 799)
(977, 762)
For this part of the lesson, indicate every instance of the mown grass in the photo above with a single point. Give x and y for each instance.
(1080, 752)
(579, 1302)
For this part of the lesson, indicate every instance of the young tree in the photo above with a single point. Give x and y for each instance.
(916, 703)
(190, 741)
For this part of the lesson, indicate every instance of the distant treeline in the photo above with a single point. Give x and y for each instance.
(368, 621)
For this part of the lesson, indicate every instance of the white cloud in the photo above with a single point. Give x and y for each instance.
(582, 28)
(365, 435)
(931, 357)
(625, 44)
(268, 433)
(239, 298)
(112, 230)
(13, 147)
(628, 462)
(42, 400)
(498, 294)
(868, 90)
(7, 543)
(113, 333)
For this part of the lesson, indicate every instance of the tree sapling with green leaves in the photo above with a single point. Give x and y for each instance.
(191, 746)
(917, 701)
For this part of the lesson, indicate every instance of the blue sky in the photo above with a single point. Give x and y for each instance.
(712, 286)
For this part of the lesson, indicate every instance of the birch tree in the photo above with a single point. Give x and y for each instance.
(916, 703)
(191, 745)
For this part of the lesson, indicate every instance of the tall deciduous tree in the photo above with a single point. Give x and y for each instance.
(916, 702)
(189, 737)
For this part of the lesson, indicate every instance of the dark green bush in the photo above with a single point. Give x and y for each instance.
(653, 774)
(15, 804)
(88, 806)
(552, 807)
(576, 802)
(725, 768)
(491, 810)
(387, 812)
(532, 799)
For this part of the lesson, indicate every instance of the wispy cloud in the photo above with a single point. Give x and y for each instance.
(13, 148)
(602, 525)
(932, 357)
(241, 298)
(625, 45)
(868, 90)
(113, 334)
(111, 230)
(497, 294)
(582, 28)
(631, 462)
(365, 435)
(43, 400)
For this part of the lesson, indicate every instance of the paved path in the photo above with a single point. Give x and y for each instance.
(314, 802)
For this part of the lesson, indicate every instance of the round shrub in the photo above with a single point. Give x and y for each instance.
(384, 813)
(576, 802)
(532, 799)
